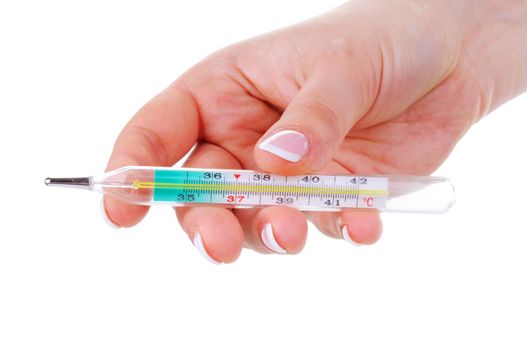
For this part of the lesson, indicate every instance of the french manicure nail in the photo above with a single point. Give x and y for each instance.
(106, 218)
(198, 243)
(286, 144)
(347, 237)
(269, 240)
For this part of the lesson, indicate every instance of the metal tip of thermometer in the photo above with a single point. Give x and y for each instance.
(80, 182)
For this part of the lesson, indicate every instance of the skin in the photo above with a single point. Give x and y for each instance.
(377, 86)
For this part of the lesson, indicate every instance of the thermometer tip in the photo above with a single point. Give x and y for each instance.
(68, 181)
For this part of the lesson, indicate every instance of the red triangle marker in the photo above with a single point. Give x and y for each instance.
(237, 176)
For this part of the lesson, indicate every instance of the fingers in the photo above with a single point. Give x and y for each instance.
(279, 230)
(335, 96)
(355, 226)
(215, 231)
(159, 134)
(219, 235)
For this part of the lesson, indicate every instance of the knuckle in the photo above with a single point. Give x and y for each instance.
(152, 143)
(322, 116)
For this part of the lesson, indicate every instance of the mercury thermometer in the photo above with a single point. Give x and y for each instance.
(248, 189)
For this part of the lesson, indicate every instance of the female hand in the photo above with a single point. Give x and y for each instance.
(373, 87)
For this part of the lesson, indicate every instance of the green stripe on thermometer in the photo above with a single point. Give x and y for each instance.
(247, 189)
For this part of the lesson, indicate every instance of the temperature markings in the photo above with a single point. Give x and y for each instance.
(247, 188)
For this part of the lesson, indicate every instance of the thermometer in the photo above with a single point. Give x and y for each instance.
(248, 189)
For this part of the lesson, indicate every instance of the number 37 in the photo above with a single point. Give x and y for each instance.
(235, 199)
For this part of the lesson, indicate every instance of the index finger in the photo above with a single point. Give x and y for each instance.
(160, 133)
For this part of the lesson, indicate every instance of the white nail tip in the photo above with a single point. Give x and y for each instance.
(278, 151)
(198, 243)
(346, 236)
(282, 153)
(106, 218)
(269, 240)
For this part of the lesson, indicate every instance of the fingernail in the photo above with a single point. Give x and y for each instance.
(287, 144)
(269, 240)
(346, 236)
(107, 218)
(198, 243)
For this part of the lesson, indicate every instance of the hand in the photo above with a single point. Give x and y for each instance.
(373, 87)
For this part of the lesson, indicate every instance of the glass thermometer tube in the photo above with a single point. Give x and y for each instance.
(247, 189)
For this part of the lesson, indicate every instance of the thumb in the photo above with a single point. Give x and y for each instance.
(336, 95)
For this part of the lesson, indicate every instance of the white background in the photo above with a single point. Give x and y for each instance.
(72, 74)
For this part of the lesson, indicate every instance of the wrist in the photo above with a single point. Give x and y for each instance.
(512, 11)
(495, 47)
